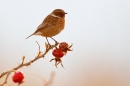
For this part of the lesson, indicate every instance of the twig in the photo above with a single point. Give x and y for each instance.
(7, 77)
(23, 59)
(50, 81)
(38, 48)
(40, 55)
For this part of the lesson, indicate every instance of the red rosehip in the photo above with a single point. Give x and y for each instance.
(63, 46)
(18, 77)
(58, 53)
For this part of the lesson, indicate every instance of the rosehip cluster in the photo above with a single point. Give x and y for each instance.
(59, 52)
(18, 77)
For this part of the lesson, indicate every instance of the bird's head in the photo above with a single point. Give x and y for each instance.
(59, 12)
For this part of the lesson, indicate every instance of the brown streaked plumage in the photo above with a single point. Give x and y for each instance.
(52, 25)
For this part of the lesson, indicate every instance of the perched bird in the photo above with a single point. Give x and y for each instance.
(52, 25)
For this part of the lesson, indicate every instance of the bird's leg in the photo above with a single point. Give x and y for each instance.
(48, 42)
(54, 40)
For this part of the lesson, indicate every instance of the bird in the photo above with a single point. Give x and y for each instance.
(52, 25)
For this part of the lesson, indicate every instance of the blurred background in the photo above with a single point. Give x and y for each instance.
(98, 29)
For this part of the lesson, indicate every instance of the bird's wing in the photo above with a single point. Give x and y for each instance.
(41, 27)
(50, 20)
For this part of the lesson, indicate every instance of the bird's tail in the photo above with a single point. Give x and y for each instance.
(29, 36)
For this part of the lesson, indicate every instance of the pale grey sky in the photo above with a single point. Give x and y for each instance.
(98, 29)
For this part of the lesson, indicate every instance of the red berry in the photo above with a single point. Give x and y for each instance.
(63, 46)
(18, 77)
(57, 53)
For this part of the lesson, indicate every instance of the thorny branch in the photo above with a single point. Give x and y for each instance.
(7, 77)
(40, 55)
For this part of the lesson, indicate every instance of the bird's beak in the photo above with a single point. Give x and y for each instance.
(65, 13)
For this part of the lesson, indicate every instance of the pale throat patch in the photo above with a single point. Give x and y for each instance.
(54, 15)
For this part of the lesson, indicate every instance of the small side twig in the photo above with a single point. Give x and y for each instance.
(23, 59)
(38, 48)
